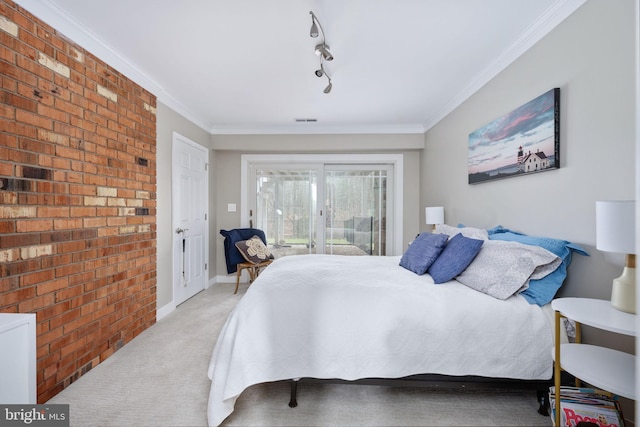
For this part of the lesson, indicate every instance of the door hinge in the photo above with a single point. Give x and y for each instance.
(205, 265)
(206, 166)
(205, 217)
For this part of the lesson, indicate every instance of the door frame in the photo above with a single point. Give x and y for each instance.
(175, 140)
(246, 160)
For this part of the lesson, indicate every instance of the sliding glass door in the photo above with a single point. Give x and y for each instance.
(341, 209)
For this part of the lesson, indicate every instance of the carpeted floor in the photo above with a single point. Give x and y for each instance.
(160, 379)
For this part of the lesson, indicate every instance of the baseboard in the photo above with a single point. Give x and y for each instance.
(165, 310)
(244, 278)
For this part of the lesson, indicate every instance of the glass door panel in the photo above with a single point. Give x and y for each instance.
(356, 209)
(286, 201)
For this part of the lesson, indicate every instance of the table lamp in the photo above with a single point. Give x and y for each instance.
(615, 232)
(434, 215)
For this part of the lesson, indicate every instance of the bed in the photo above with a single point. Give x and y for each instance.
(349, 318)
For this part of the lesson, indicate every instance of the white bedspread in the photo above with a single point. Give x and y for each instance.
(324, 316)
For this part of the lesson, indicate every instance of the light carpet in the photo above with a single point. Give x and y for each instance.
(160, 379)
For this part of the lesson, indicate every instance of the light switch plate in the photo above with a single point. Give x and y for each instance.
(231, 207)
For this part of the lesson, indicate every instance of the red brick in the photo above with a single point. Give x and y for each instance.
(34, 119)
(9, 284)
(50, 336)
(18, 101)
(82, 211)
(34, 277)
(15, 296)
(17, 240)
(65, 318)
(69, 270)
(29, 226)
(67, 224)
(53, 212)
(78, 279)
(51, 262)
(36, 304)
(70, 292)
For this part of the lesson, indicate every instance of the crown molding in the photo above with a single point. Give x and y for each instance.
(552, 17)
(310, 129)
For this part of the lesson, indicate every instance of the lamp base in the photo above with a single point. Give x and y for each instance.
(623, 293)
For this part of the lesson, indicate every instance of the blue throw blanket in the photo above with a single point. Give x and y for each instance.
(231, 253)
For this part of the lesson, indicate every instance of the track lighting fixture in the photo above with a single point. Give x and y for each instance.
(321, 49)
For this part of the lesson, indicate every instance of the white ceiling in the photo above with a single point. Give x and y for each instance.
(247, 66)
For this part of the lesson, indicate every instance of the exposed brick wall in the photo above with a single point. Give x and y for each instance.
(77, 198)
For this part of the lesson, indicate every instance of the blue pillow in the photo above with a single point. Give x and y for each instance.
(542, 291)
(423, 251)
(455, 258)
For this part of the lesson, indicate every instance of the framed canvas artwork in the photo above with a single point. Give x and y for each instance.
(524, 141)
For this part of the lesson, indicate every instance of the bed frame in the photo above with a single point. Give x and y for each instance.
(446, 382)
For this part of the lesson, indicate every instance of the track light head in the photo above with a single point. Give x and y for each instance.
(319, 72)
(314, 27)
(323, 49)
(328, 88)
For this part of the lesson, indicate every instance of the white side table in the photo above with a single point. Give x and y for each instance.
(605, 368)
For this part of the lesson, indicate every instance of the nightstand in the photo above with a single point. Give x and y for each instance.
(605, 368)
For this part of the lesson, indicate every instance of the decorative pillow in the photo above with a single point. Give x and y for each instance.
(541, 291)
(472, 233)
(455, 257)
(423, 251)
(254, 250)
(502, 268)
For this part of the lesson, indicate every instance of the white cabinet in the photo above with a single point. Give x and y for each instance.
(17, 358)
(605, 368)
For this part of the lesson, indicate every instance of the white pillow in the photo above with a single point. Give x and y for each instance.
(502, 268)
(472, 233)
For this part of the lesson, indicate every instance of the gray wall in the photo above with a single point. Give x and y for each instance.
(591, 58)
(595, 71)
(169, 121)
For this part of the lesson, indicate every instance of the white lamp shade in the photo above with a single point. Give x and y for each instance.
(615, 226)
(434, 215)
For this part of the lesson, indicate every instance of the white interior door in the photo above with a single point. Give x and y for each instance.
(189, 204)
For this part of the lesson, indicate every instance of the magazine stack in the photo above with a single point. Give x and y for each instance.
(586, 405)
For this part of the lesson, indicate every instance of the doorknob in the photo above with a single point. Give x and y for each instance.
(181, 230)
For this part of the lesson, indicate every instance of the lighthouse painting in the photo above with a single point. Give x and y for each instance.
(524, 141)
